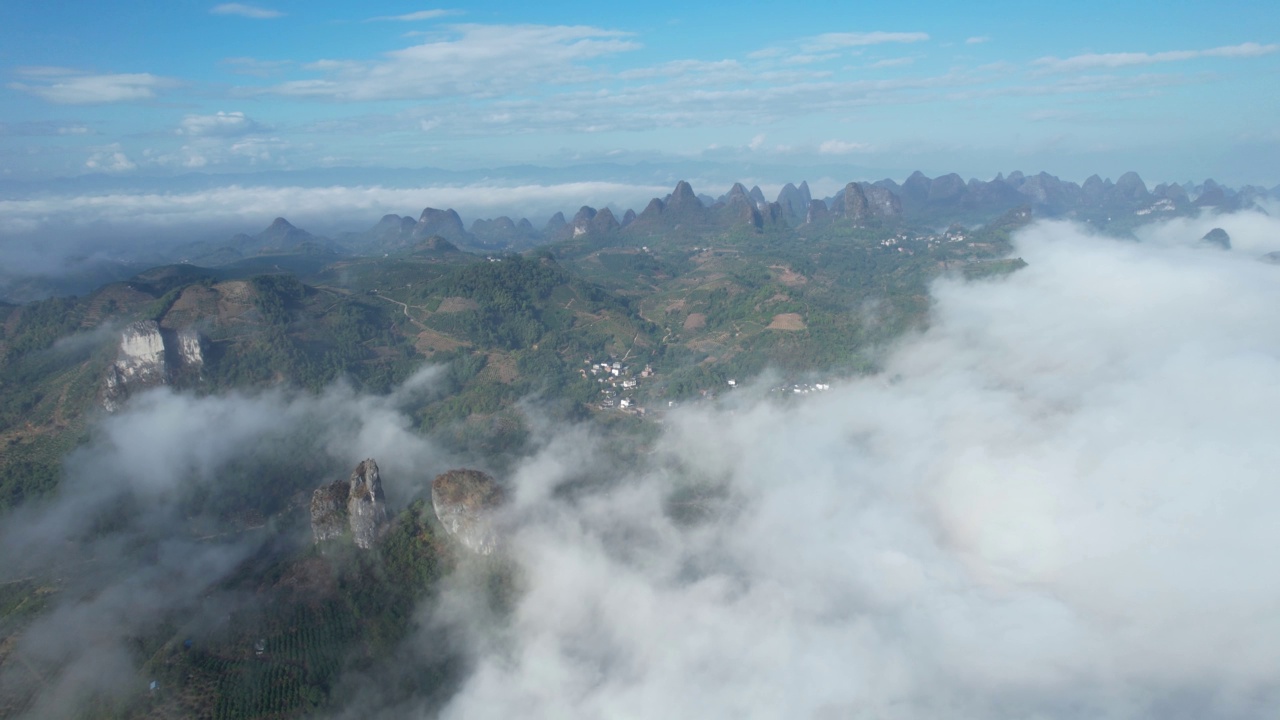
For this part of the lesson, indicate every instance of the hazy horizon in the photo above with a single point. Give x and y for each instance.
(1174, 93)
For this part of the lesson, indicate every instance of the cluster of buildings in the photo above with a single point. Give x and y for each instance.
(618, 381)
(801, 388)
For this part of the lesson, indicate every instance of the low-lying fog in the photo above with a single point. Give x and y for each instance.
(1058, 501)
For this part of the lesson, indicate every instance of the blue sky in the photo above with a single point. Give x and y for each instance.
(1176, 91)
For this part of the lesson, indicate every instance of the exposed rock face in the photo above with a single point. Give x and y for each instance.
(464, 502)
(190, 348)
(142, 361)
(366, 505)
(1217, 237)
(582, 220)
(329, 510)
(795, 200)
(356, 503)
(141, 356)
(863, 202)
(817, 213)
(739, 208)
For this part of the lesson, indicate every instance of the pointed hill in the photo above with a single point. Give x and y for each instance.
(279, 238)
(794, 202)
(444, 223)
(504, 233)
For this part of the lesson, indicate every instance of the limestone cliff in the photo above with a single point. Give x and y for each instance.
(366, 505)
(356, 503)
(190, 348)
(149, 356)
(464, 502)
(140, 364)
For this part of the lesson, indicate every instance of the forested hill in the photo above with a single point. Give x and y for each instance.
(609, 327)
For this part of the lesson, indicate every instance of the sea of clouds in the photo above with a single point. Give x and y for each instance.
(1056, 501)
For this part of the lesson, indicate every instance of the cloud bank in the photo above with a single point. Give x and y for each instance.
(136, 536)
(65, 86)
(325, 204)
(248, 11)
(1058, 501)
(1093, 61)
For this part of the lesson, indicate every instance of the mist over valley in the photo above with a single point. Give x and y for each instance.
(639, 361)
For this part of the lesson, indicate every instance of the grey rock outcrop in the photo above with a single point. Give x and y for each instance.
(795, 200)
(329, 511)
(861, 203)
(190, 348)
(366, 505)
(464, 501)
(356, 504)
(148, 357)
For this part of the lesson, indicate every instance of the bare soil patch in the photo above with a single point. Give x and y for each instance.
(430, 341)
(695, 321)
(503, 367)
(235, 298)
(195, 302)
(787, 321)
(789, 277)
(457, 304)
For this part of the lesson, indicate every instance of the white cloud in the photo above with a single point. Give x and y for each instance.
(45, 128)
(809, 58)
(145, 464)
(834, 41)
(1094, 61)
(414, 16)
(685, 68)
(255, 67)
(220, 124)
(893, 62)
(252, 205)
(977, 40)
(249, 11)
(70, 87)
(840, 147)
(111, 160)
(478, 60)
(1055, 502)
(757, 142)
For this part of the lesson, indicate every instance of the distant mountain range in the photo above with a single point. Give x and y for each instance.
(918, 202)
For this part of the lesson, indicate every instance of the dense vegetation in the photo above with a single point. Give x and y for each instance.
(693, 308)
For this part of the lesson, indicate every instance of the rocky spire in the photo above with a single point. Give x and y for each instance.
(356, 503)
(366, 505)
